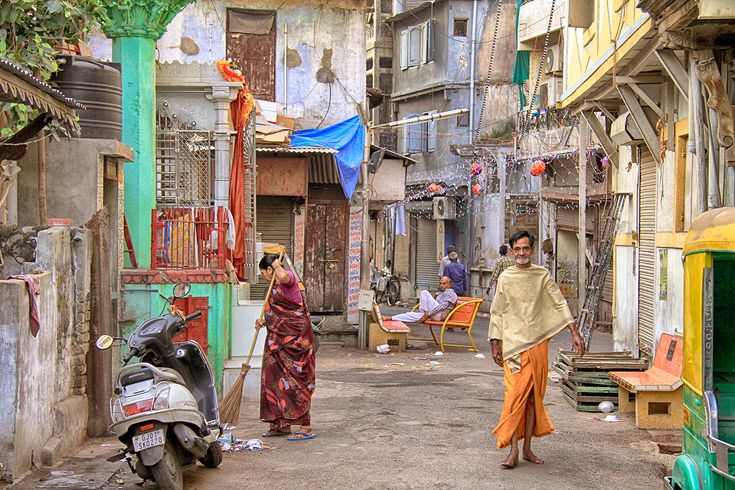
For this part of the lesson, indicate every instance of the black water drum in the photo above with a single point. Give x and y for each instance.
(98, 86)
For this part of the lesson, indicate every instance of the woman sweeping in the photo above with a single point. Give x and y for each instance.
(288, 373)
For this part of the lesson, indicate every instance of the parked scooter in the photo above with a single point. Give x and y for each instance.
(165, 407)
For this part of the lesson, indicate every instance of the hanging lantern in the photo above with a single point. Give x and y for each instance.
(604, 162)
(435, 188)
(475, 169)
(538, 167)
(477, 189)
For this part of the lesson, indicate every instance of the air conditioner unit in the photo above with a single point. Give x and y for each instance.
(554, 89)
(444, 208)
(554, 59)
(624, 131)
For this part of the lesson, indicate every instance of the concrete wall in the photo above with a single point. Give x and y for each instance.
(42, 378)
(625, 319)
(313, 30)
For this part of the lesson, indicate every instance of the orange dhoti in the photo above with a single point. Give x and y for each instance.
(518, 386)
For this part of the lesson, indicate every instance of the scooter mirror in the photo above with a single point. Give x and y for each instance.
(104, 342)
(181, 289)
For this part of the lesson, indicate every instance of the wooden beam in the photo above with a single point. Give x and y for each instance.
(640, 119)
(676, 70)
(607, 144)
(605, 111)
(640, 79)
(635, 65)
(645, 98)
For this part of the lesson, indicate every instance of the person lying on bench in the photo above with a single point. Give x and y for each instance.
(436, 309)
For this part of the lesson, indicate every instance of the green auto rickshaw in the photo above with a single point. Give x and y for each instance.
(708, 447)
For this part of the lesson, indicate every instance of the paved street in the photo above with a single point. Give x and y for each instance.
(394, 421)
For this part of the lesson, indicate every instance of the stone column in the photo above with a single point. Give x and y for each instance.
(134, 27)
(221, 96)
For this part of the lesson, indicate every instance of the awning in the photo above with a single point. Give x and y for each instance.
(322, 163)
(18, 85)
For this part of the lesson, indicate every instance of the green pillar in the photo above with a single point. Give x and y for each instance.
(134, 27)
(137, 58)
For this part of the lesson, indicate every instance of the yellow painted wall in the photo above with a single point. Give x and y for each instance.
(614, 20)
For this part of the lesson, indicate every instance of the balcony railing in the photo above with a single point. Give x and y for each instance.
(189, 238)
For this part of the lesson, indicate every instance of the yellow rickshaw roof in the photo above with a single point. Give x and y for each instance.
(713, 231)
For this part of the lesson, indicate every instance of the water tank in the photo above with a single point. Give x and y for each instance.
(98, 86)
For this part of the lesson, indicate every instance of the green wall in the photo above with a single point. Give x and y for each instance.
(143, 301)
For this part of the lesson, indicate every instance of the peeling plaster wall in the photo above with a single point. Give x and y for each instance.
(314, 28)
(625, 320)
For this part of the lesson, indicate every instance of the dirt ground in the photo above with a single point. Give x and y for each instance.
(395, 421)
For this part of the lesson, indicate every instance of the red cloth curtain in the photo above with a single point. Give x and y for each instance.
(239, 113)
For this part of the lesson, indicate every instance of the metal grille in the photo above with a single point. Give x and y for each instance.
(647, 253)
(184, 162)
(251, 271)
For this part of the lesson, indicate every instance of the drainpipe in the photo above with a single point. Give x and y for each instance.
(473, 46)
(285, 69)
(713, 175)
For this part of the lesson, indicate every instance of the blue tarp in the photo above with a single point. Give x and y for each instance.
(348, 138)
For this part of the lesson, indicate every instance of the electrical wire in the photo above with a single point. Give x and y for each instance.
(329, 106)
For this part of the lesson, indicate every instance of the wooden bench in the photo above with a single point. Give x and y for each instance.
(655, 395)
(462, 316)
(391, 332)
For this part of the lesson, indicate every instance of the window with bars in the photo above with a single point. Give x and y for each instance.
(184, 168)
(460, 27)
(463, 120)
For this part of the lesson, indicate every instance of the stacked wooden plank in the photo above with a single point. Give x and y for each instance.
(585, 381)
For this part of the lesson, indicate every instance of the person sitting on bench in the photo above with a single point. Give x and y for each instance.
(436, 309)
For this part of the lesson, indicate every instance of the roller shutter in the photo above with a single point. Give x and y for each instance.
(646, 252)
(427, 265)
(275, 225)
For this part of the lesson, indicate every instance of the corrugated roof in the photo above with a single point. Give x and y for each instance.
(19, 85)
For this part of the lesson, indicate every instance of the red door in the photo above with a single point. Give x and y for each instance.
(196, 330)
(324, 268)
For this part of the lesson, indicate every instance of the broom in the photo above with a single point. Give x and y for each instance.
(230, 406)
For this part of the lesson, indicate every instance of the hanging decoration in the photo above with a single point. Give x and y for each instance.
(231, 74)
(435, 188)
(538, 168)
(477, 189)
(604, 162)
(476, 169)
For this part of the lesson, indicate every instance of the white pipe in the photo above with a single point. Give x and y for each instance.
(713, 173)
(698, 104)
(285, 69)
(426, 117)
(473, 45)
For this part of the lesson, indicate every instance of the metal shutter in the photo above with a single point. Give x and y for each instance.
(646, 252)
(275, 225)
(427, 265)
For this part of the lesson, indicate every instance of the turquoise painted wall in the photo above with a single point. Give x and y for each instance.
(137, 56)
(143, 302)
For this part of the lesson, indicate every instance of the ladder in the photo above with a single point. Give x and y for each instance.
(603, 260)
(129, 244)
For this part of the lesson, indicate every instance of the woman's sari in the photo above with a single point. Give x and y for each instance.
(289, 367)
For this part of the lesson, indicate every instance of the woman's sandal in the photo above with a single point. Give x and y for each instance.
(277, 433)
(302, 435)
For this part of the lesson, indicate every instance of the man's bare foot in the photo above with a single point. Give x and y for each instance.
(529, 456)
(510, 462)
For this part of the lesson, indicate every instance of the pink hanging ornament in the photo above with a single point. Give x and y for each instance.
(538, 168)
(477, 189)
(475, 169)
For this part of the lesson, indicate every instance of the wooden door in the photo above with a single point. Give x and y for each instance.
(324, 268)
(251, 44)
(196, 330)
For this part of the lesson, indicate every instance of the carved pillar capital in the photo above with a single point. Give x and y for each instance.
(140, 18)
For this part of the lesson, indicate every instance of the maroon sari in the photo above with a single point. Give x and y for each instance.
(289, 368)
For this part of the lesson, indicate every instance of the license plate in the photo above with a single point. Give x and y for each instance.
(148, 440)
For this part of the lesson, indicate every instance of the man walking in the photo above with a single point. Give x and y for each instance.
(445, 261)
(527, 310)
(456, 271)
(500, 265)
(436, 309)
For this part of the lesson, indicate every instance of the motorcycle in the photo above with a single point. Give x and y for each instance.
(386, 286)
(164, 408)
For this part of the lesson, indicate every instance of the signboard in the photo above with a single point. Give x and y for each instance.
(707, 327)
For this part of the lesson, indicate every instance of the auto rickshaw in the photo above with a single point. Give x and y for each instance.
(708, 446)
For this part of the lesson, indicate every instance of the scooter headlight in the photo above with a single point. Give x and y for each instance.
(161, 402)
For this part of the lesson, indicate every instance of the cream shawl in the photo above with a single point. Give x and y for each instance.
(527, 309)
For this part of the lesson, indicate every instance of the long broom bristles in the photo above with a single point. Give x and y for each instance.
(229, 409)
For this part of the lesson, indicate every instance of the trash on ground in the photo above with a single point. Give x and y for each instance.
(120, 481)
(420, 358)
(228, 427)
(398, 363)
(434, 363)
(438, 353)
(414, 347)
(225, 439)
(226, 446)
(606, 406)
(611, 418)
(383, 349)
(480, 356)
